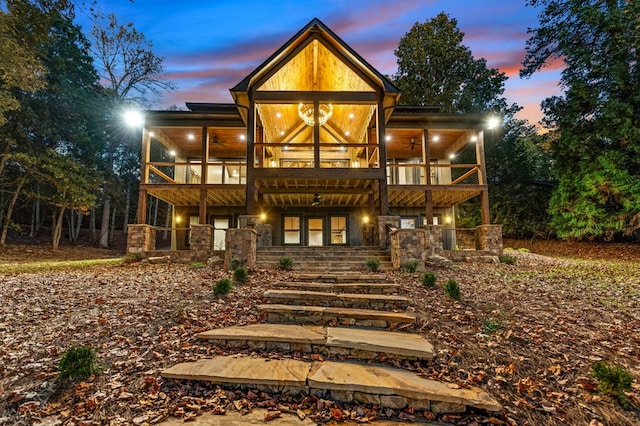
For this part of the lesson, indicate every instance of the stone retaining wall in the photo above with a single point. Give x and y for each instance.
(241, 244)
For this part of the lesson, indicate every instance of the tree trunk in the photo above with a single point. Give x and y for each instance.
(71, 226)
(113, 224)
(7, 217)
(57, 229)
(103, 241)
(78, 227)
(92, 225)
(127, 207)
(167, 222)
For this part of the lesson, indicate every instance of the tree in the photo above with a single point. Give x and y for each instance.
(435, 68)
(597, 149)
(130, 70)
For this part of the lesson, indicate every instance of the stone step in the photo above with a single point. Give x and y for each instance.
(319, 315)
(366, 288)
(340, 381)
(349, 342)
(339, 278)
(342, 300)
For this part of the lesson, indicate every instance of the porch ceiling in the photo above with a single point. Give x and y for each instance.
(414, 197)
(232, 195)
(301, 192)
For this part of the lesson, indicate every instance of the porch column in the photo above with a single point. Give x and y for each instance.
(204, 172)
(384, 193)
(240, 244)
(489, 239)
(482, 179)
(428, 194)
(251, 189)
(141, 238)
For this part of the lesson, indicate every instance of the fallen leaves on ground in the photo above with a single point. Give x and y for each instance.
(526, 333)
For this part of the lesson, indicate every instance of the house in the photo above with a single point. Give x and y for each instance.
(316, 151)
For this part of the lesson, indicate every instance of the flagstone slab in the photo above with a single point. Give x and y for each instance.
(389, 381)
(243, 370)
(322, 313)
(372, 288)
(291, 333)
(391, 342)
(306, 297)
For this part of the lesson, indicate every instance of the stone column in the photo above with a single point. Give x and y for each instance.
(385, 225)
(434, 244)
(240, 244)
(201, 237)
(141, 239)
(407, 245)
(265, 231)
(489, 239)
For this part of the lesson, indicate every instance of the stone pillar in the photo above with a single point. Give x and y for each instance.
(201, 237)
(240, 244)
(141, 239)
(407, 245)
(385, 225)
(434, 242)
(489, 239)
(265, 231)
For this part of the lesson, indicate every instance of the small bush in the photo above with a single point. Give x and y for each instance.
(523, 250)
(132, 258)
(452, 289)
(410, 266)
(240, 274)
(613, 380)
(222, 286)
(234, 263)
(79, 362)
(507, 259)
(197, 265)
(428, 279)
(372, 264)
(285, 263)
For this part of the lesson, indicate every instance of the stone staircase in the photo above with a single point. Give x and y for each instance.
(353, 320)
(323, 259)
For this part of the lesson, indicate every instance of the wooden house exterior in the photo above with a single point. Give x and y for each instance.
(316, 146)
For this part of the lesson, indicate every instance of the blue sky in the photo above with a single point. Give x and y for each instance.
(209, 46)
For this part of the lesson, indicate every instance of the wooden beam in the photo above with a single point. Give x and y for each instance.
(268, 96)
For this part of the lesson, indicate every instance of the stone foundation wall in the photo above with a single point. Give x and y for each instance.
(241, 244)
(140, 239)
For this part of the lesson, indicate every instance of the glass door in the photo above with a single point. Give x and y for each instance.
(220, 225)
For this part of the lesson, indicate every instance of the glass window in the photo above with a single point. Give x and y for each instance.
(408, 223)
(292, 230)
(338, 229)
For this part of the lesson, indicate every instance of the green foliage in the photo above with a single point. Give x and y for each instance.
(132, 258)
(240, 274)
(234, 263)
(435, 68)
(452, 289)
(79, 362)
(507, 259)
(197, 265)
(428, 279)
(410, 266)
(285, 263)
(596, 142)
(222, 286)
(523, 250)
(372, 264)
(612, 380)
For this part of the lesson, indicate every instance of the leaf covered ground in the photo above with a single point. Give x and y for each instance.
(527, 333)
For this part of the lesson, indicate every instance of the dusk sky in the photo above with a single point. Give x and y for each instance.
(209, 46)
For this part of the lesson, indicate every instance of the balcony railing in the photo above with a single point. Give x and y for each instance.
(229, 173)
(441, 174)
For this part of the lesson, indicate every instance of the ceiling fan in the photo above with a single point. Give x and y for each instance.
(216, 141)
(317, 200)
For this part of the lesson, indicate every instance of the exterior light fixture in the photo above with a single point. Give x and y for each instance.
(365, 219)
(347, 133)
(351, 116)
(281, 132)
(263, 216)
(242, 137)
(172, 153)
(151, 134)
(278, 115)
(191, 136)
(474, 138)
(436, 138)
(178, 219)
(493, 123)
(387, 138)
(307, 112)
(452, 156)
(447, 219)
(133, 118)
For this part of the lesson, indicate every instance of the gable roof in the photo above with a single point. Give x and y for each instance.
(314, 28)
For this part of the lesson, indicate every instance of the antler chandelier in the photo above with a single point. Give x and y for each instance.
(307, 112)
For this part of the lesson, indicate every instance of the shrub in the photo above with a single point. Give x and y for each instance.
(132, 258)
(452, 289)
(523, 250)
(285, 263)
(613, 380)
(507, 259)
(428, 279)
(372, 264)
(411, 266)
(234, 263)
(79, 362)
(197, 265)
(222, 286)
(240, 274)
